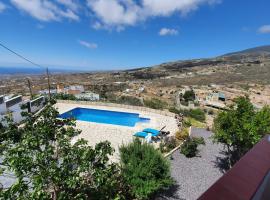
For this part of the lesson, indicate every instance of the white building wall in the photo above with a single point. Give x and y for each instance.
(3, 108)
(35, 108)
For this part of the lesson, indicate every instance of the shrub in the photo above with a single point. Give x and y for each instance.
(210, 112)
(182, 135)
(155, 103)
(144, 169)
(129, 100)
(189, 96)
(64, 97)
(167, 144)
(174, 110)
(187, 123)
(197, 114)
(190, 146)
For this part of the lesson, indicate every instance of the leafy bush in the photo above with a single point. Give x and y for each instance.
(174, 110)
(47, 165)
(182, 135)
(240, 128)
(189, 96)
(64, 97)
(144, 169)
(197, 114)
(190, 146)
(129, 100)
(187, 123)
(155, 103)
(167, 144)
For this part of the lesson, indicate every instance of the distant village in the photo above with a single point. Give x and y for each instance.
(209, 97)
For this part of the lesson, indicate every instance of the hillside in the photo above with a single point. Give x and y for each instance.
(252, 51)
(252, 65)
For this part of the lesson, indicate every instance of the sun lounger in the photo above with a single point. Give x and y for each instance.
(156, 132)
(144, 134)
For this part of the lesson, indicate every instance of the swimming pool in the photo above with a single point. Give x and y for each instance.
(105, 116)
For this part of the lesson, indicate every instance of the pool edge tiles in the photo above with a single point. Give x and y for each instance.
(101, 116)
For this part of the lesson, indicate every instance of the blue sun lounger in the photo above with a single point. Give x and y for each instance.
(151, 130)
(146, 131)
(141, 134)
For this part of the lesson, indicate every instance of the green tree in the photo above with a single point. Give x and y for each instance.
(64, 97)
(240, 128)
(189, 96)
(144, 169)
(46, 165)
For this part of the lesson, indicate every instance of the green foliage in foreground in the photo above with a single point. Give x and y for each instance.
(144, 169)
(190, 146)
(155, 103)
(47, 166)
(240, 128)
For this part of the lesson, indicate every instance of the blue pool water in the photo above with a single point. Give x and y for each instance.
(104, 116)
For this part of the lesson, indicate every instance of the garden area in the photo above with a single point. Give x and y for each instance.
(46, 165)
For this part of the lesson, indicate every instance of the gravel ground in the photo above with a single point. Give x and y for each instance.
(194, 176)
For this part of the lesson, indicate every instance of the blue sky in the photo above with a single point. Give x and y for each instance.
(120, 34)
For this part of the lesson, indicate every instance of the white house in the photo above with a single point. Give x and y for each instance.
(13, 106)
(36, 104)
(90, 96)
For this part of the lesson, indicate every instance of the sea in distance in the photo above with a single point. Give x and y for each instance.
(7, 71)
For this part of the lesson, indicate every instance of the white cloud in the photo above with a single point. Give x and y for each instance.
(167, 31)
(88, 44)
(71, 4)
(264, 29)
(108, 14)
(2, 7)
(44, 10)
(115, 13)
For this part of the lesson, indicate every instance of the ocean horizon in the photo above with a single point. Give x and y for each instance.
(4, 71)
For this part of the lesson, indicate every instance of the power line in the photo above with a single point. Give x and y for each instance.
(33, 63)
(22, 57)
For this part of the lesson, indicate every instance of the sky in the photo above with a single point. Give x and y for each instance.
(121, 34)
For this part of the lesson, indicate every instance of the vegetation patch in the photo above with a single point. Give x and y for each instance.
(190, 146)
(240, 128)
(129, 100)
(155, 103)
(182, 135)
(167, 144)
(144, 169)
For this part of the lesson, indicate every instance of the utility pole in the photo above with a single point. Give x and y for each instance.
(30, 88)
(49, 84)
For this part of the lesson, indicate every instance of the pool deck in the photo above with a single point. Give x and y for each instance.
(117, 135)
